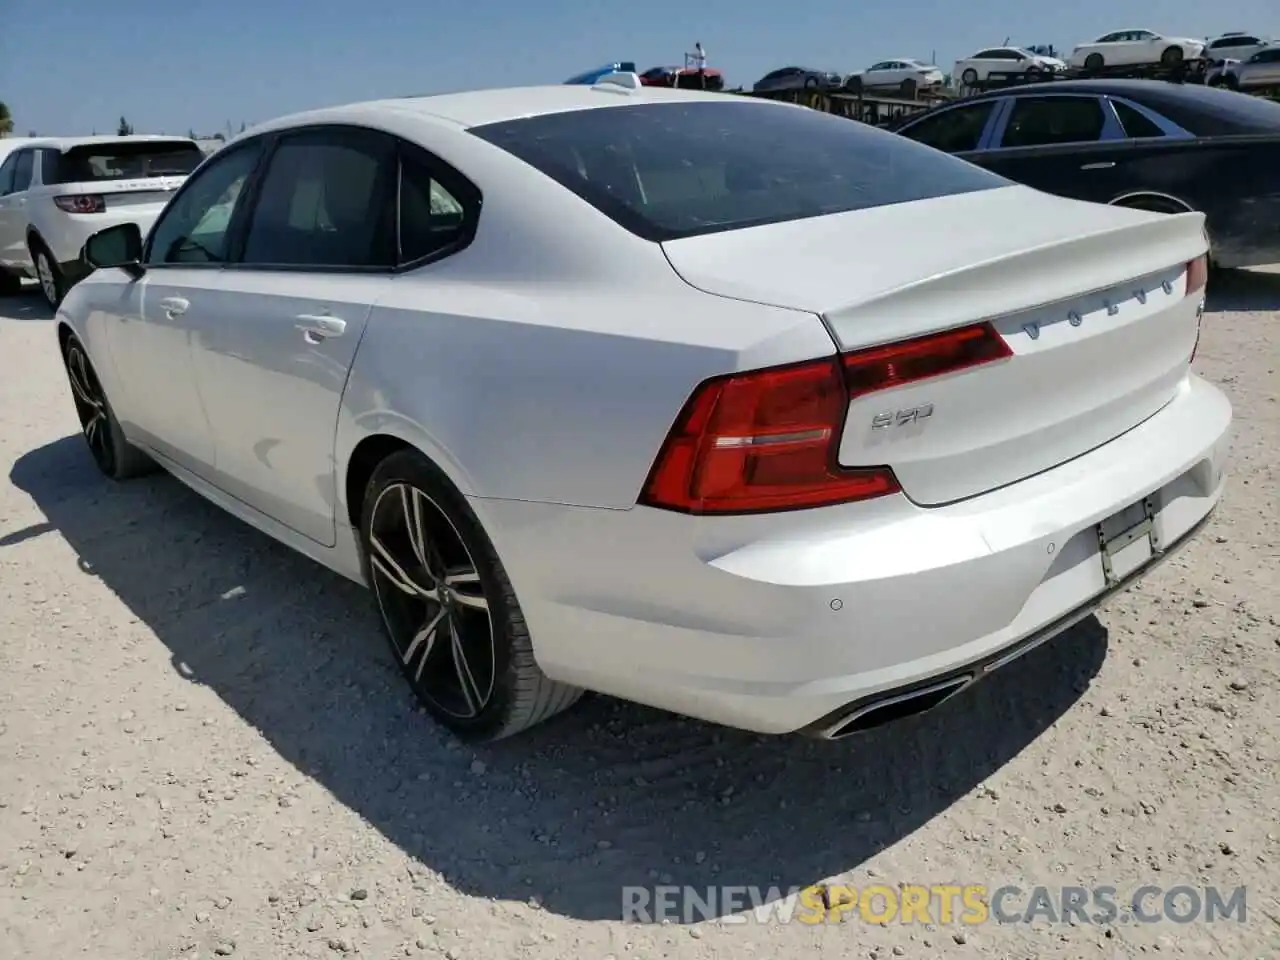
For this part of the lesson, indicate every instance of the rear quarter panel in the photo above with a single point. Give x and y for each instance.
(1235, 181)
(545, 392)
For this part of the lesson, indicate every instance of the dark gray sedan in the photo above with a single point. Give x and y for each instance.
(797, 78)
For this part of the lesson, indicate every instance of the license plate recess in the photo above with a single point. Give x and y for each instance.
(1127, 540)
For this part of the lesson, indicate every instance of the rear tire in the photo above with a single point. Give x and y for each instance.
(53, 285)
(447, 607)
(1094, 62)
(115, 456)
(10, 284)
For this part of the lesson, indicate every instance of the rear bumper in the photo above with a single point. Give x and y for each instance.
(774, 623)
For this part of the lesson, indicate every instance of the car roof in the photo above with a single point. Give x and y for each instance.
(1212, 108)
(479, 107)
(66, 143)
(1121, 88)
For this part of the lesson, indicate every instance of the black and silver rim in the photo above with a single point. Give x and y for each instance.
(432, 601)
(48, 282)
(91, 405)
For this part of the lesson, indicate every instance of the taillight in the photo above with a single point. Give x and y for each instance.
(1197, 274)
(80, 203)
(768, 440)
(895, 364)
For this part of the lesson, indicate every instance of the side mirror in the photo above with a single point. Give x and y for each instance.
(118, 246)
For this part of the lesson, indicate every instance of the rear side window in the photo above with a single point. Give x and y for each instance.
(671, 170)
(126, 161)
(955, 130)
(1039, 121)
(1135, 124)
(435, 217)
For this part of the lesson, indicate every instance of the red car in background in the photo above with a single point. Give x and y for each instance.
(686, 78)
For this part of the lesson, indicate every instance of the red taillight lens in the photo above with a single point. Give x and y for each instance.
(80, 203)
(1197, 274)
(895, 364)
(767, 440)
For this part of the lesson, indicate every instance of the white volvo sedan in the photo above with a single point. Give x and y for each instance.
(721, 405)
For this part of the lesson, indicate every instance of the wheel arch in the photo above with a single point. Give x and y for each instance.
(34, 238)
(1134, 198)
(65, 333)
(376, 446)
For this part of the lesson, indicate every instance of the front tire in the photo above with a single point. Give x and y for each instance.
(115, 456)
(1093, 62)
(447, 607)
(969, 78)
(1171, 57)
(10, 284)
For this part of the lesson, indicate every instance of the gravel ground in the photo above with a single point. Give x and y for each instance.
(205, 750)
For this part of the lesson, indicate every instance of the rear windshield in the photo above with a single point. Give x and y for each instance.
(1212, 111)
(127, 161)
(671, 170)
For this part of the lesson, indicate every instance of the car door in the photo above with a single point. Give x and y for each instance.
(1263, 69)
(318, 250)
(7, 210)
(15, 178)
(983, 63)
(158, 317)
(1059, 143)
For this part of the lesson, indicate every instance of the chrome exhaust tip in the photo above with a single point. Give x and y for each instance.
(895, 707)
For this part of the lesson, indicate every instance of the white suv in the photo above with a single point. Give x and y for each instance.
(54, 193)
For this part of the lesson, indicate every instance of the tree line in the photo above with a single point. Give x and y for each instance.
(123, 129)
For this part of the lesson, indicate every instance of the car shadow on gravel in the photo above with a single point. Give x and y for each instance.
(1245, 290)
(609, 794)
(27, 305)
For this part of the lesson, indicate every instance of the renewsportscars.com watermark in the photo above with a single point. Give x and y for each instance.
(968, 904)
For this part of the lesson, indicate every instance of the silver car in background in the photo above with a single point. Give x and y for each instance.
(1259, 72)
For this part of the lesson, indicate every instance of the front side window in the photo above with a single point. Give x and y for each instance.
(955, 130)
(126, 160)
(195, 227)
(24, 166)
(1040, 121)
(327, 200)
(6, 175)
(680, 169)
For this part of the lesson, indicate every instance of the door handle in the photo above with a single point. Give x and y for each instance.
(174, 306)
(1104, 165)
(320, 326)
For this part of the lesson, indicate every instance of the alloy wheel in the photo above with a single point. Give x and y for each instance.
(433, 602)
(48, 282)
(91, 406)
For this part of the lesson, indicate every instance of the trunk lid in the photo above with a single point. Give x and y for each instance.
(1090, 300)
(140, 192)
